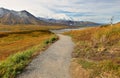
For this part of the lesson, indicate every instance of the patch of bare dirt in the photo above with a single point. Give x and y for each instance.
(77, 71)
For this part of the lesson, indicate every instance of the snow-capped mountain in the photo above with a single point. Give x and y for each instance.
(61, 17)
(70, 22)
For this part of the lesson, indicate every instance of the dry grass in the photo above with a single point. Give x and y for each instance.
(27, 27)
(98, 49)
(18, 44)
(19, 38)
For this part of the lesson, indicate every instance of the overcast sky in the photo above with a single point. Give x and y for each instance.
(87, 10)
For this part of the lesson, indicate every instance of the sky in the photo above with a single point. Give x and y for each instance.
(99, 11)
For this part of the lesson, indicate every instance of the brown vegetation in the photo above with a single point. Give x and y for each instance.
(18, 38)
(19, 44)
(98, 49)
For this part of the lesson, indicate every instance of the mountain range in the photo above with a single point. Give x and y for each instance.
(70, 22)
(11, 17)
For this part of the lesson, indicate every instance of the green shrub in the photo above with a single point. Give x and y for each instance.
(53, 39)
(47, 42)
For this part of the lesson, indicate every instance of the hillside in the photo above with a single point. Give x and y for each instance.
(17, 17)
(97, 52)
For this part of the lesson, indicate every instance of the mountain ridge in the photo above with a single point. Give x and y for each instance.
(70, 22)
(17, 17)
(11, 17)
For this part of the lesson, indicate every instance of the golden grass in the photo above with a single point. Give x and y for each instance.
(18, 44)
(19, 38)
(27, 27)
(100, 46)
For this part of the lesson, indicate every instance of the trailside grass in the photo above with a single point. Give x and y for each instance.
(98, 50)
(18, 46)
(13, 43)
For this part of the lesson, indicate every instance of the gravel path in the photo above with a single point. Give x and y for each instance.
(53, 63)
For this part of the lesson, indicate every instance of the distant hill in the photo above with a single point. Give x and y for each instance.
(17, 17)
(70, 22)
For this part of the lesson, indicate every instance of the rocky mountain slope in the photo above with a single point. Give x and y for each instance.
(17, 17)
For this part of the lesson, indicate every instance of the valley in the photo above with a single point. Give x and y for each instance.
(59, 39)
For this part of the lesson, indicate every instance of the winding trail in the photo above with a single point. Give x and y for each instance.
(53, 63)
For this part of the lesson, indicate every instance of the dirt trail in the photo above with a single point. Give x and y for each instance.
(53, 63)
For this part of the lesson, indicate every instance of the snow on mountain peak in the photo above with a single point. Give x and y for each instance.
(61, 17)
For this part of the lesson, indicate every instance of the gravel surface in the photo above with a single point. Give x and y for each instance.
(53, 63)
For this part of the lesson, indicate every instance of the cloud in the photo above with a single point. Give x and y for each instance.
(87, 10)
